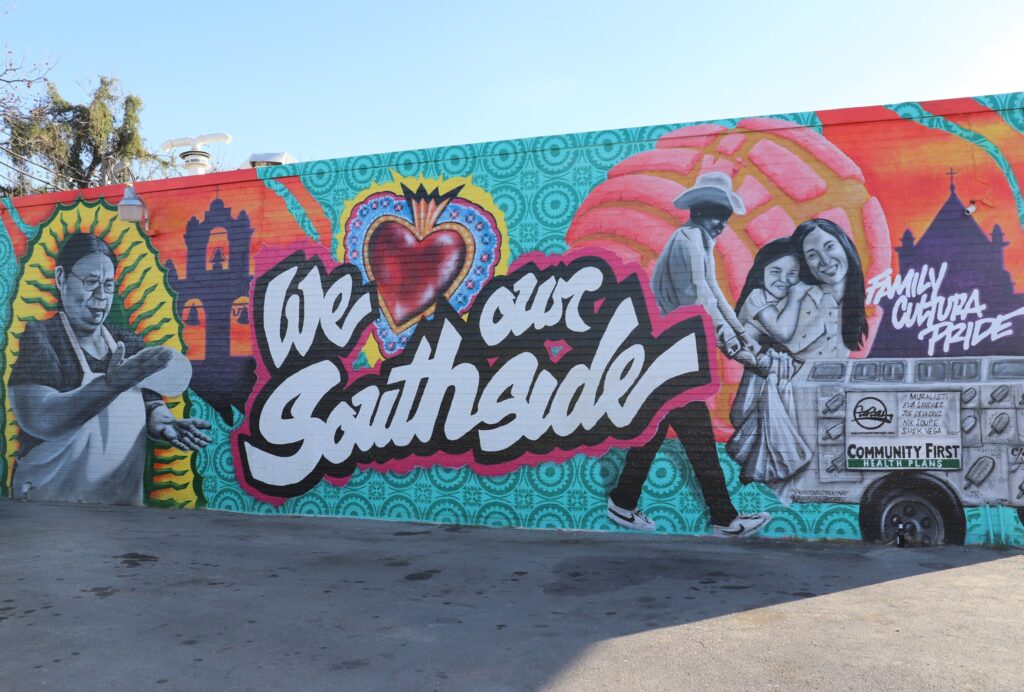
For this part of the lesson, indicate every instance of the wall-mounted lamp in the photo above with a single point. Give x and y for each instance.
(131, 208)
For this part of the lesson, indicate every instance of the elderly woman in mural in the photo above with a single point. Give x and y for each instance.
(803, 299)
(86, 394)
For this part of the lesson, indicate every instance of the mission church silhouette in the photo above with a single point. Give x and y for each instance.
(975, 260)
(214, 294)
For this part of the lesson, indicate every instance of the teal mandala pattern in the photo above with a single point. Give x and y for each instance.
(413, 163)
(456, 161)
(607, 148)
(448, 511)
(399, 507)
(568, 495)
(538, 184)
(497, 514)
(447, 480)
(10, 269)
(557, 155)
(360, 172)
(502, 160)
(551, 480)
(1009, 106)
(513, 204)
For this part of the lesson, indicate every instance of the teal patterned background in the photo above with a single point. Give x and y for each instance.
(538, 185)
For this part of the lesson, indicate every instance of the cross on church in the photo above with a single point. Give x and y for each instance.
(952, 172)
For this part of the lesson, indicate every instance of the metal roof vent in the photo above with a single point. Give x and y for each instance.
(196, 159)
(276, 158)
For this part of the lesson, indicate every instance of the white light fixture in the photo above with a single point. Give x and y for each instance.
(131, 208)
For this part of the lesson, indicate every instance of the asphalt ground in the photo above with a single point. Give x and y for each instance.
(95, 597)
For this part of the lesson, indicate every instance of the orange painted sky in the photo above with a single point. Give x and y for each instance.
(170, 211)
(905, 165)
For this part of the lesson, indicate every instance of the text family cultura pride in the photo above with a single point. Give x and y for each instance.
(943, 320)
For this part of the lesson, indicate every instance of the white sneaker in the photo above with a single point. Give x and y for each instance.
(629, 518)
(743, 525)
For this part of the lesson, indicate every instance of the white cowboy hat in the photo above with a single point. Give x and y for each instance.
(713, 188)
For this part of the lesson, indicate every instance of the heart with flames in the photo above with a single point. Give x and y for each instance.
(420, 247)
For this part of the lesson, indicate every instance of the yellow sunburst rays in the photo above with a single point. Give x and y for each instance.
(148, 310)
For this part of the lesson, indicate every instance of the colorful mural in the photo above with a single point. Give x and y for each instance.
(800, 326)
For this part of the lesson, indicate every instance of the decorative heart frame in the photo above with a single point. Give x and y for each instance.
(420, 247)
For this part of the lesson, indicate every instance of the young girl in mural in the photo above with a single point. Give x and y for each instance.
(766, 442)
(86, 394)
(769, 303)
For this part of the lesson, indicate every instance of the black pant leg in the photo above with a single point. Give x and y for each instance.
(626, 493)
(692, 424)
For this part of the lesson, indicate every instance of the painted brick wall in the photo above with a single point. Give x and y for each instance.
(801, 326)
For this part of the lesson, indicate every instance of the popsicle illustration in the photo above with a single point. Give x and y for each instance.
(835, 403)
(999, 394)
(968, 395)
(999, 424)
(969, 424)
(979, 472)
(834, 432)
(834, 466)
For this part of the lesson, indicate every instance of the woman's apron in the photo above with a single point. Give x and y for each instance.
(100, 461)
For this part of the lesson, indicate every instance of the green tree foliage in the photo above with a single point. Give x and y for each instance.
(57, 144)
(17, 79)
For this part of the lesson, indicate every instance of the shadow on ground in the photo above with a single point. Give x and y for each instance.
(94, 597)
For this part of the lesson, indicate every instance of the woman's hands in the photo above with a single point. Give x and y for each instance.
(183, 433)
(124, 373)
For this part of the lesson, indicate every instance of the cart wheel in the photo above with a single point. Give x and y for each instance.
(929, 511)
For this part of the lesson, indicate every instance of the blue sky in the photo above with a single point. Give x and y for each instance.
(328, 79)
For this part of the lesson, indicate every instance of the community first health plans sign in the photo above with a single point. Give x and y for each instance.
(903, 430)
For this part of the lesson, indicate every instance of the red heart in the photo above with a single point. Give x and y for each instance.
(411, 273)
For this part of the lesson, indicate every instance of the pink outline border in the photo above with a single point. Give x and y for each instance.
(266, 260)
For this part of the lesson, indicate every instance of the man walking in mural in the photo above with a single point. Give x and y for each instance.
(685, 275)
(85, 394)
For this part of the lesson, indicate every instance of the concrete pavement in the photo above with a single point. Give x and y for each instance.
(126, 598)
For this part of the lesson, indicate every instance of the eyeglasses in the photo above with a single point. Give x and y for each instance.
(91, 283)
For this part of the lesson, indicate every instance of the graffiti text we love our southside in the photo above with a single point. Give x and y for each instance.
(552, 360)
